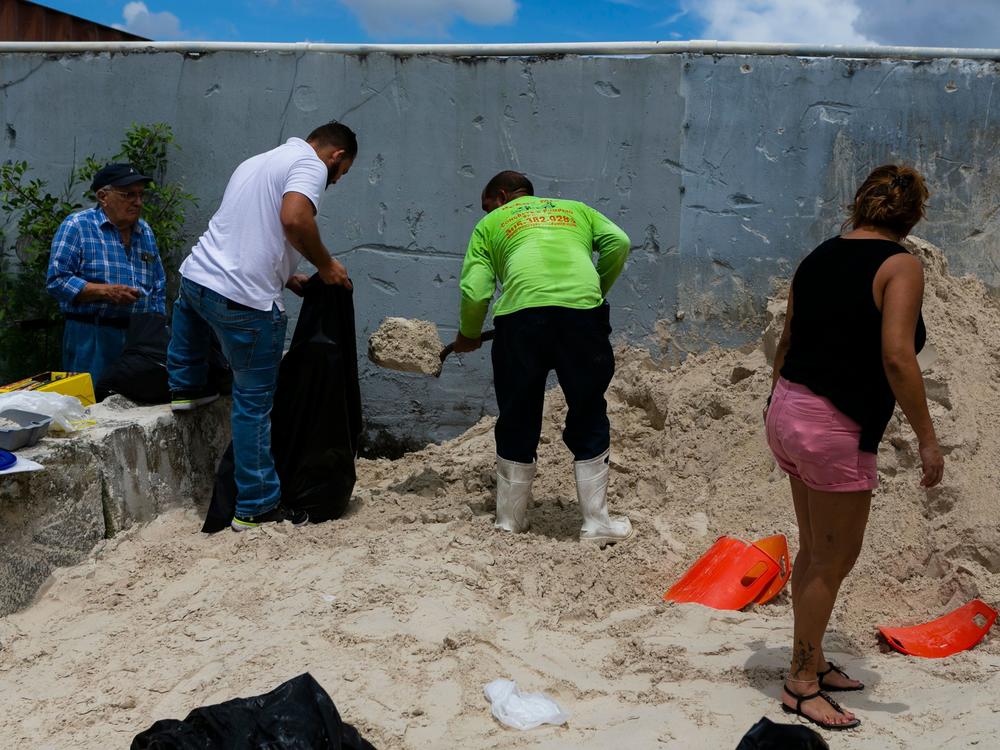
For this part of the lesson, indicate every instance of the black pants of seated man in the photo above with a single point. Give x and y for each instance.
(530, 344)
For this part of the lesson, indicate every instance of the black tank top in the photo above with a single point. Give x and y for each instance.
(836, 335)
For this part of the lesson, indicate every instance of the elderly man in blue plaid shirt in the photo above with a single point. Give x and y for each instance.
(103, 267)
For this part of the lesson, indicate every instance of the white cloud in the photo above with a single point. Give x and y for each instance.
(671, 20)
(415, 18)
(140, 20)
(931, 23)
(791, 21)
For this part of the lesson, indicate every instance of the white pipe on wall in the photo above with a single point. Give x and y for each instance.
(697, 46)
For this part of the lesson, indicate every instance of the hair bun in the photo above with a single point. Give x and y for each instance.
(902, 180)
(892, 196)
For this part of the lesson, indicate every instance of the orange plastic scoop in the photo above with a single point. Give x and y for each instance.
(730, 575)
(956, 631)
(776, 547)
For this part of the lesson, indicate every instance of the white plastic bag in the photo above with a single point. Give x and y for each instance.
(522, 710)
(67, 412)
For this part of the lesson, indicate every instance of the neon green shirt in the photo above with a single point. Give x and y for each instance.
(540, 250)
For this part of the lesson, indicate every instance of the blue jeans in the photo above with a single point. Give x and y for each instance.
(251, 341)
(91, 348)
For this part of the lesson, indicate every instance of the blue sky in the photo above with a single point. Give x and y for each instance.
(962, 23)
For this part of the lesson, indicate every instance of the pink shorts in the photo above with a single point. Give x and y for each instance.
(816, 443)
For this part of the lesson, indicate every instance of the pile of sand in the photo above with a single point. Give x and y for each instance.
(407, 607)
(701, 446)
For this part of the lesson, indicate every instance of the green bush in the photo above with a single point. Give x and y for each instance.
(30, 323)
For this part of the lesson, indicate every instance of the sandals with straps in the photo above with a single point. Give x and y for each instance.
(800, 699)
(834, 688)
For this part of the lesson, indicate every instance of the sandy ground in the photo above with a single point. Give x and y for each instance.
(406, 608)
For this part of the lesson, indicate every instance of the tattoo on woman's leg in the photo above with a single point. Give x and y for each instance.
(802, 657)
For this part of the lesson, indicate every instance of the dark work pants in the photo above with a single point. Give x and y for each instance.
(529, 344)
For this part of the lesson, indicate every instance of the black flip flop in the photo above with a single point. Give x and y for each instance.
(833, 688)
(800, 699)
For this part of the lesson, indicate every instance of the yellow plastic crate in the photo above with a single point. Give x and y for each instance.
(78, 384)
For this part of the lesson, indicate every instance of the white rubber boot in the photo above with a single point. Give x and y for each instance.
(592, 492)
(513, 492)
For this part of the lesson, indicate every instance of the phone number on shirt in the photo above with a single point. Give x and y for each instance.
(519, 223)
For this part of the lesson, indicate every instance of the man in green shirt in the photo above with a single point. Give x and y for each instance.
(551, 315)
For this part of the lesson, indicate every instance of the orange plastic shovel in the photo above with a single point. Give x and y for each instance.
(956, 631)
(730, 575)
(776, 547)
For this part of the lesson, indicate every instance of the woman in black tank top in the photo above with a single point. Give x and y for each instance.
(846, 357)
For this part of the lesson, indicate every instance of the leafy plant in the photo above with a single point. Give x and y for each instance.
(147, 148)
(30, 329)
(30, 323)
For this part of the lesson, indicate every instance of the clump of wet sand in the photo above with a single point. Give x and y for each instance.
(406, 345)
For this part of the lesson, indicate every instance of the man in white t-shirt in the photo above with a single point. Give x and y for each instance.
(232, 284)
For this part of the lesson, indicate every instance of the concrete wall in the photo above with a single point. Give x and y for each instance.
(129, 467)
(724, 170)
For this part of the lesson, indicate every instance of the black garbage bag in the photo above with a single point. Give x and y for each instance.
(296, 715)
(316, 422)
(223, 504)
(766, 735)
(316, 418)
(140, 372)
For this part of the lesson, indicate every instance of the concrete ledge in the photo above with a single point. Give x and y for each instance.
(132, 465)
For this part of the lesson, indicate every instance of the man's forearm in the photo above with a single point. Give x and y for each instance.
(114, 294)
(304, 237)
(92, 292)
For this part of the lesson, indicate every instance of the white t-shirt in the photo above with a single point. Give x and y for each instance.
(244, 255)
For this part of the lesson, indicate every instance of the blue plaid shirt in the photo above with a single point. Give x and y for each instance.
(89, 248)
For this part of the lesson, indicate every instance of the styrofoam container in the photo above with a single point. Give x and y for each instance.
(33, 427)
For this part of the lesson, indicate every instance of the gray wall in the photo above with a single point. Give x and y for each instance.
(724, 170)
